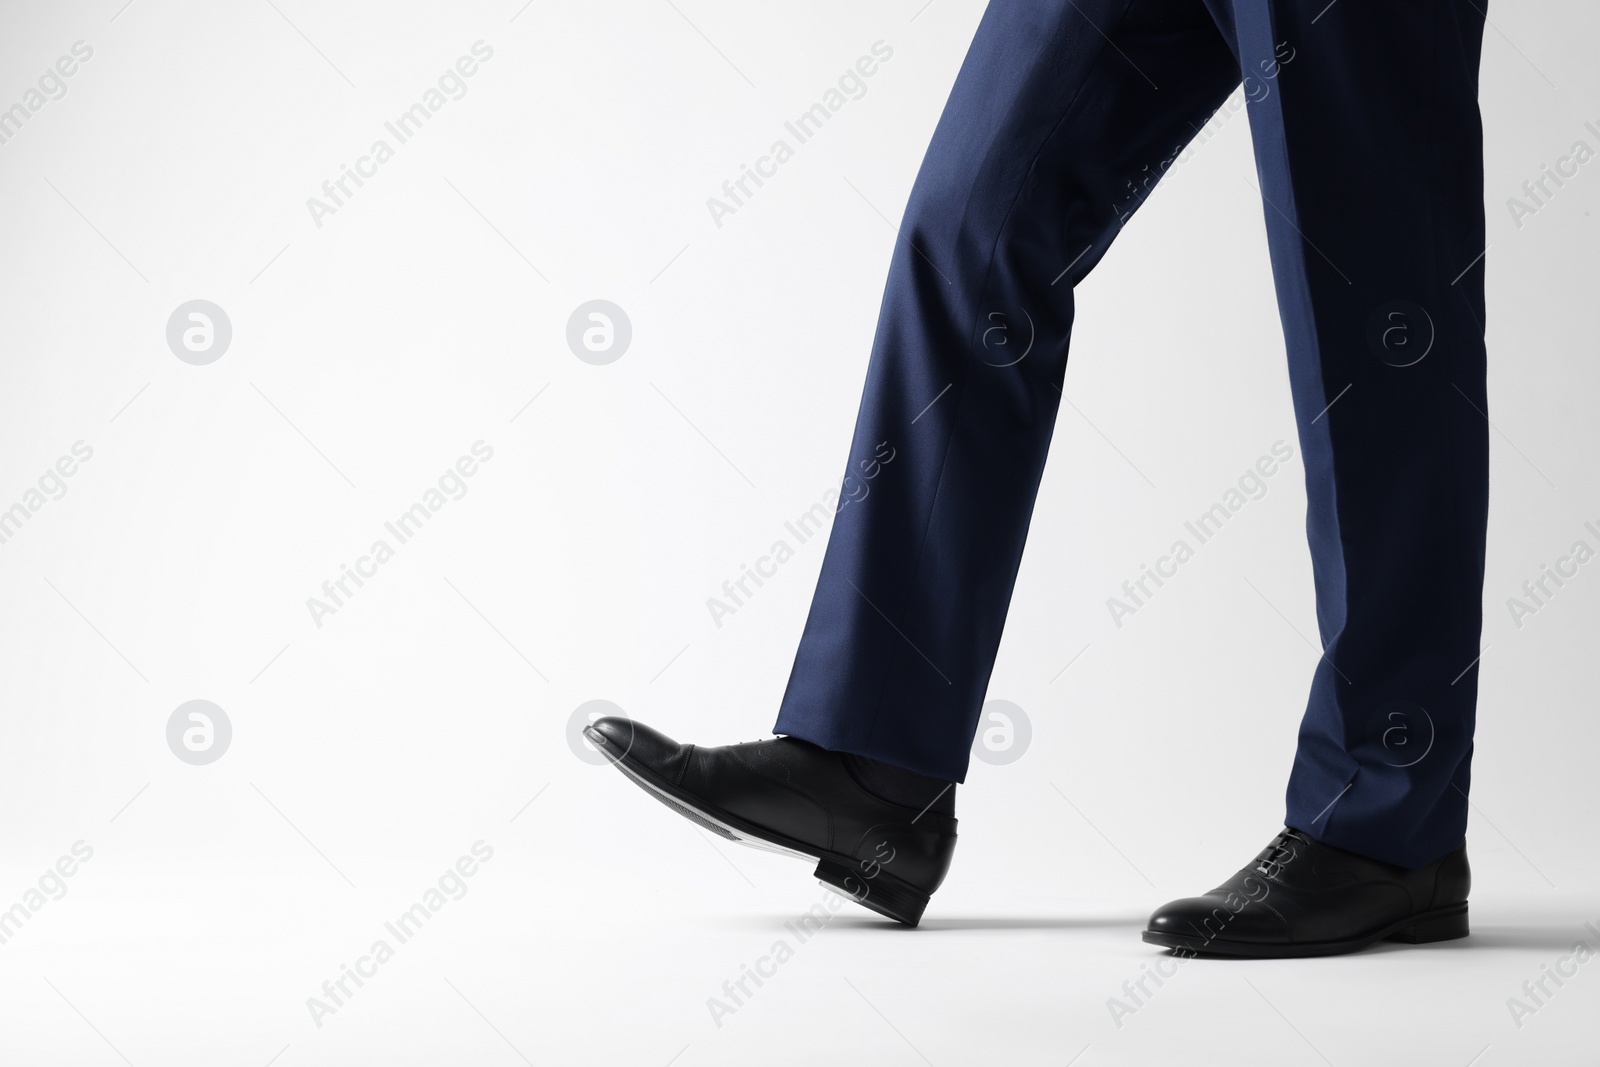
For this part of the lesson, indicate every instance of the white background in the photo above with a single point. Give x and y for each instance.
(372, 751)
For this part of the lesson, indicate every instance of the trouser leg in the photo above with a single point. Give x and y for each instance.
(1060, 114)
(1369, 152)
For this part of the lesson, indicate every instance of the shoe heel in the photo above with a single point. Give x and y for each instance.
(884, 894)
(1445, 924)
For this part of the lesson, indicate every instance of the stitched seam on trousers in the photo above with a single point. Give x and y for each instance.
(955, 419)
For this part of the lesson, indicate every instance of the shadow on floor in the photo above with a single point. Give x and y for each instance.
(1532, 937)
(1545, 936)
(1021, 922)
(873, 923)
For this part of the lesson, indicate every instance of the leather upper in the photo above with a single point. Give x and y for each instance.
(802, 792)
(1298, 890)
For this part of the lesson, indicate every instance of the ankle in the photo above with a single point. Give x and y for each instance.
(896, 785)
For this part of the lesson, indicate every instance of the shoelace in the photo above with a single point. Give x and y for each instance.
(1282, 852)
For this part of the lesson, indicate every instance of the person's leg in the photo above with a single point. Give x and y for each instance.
(1369, 151)
(1062, 113)
(1370, 155)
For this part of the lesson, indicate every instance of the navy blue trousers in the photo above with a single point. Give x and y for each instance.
(1368, 149)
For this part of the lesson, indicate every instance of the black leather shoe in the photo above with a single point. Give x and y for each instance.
(1303, 898)
(790, 796)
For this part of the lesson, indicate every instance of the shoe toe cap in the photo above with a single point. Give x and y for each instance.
(619, 738)
(1178, 916)
(1224, 918)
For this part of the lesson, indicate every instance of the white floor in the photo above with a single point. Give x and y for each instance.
(603, 929)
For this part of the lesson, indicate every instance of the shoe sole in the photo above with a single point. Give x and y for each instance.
(882, 892)
(1439, 924)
